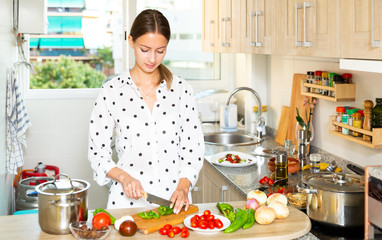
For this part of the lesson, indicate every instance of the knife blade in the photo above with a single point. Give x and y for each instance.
(157, 200)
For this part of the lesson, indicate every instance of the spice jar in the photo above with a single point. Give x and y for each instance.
(310, 79)
(317, 80)
(331, 77)
(376, 114)
(336, 80)
(357, 122)
(340, 111)
(347, 77)
(350, 112)
(325, 82)
(345, 120)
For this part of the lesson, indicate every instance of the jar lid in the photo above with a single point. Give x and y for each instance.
(347, 75)
(351, 111)
(340, 109)
(310, 73)
(336, 182)
(318, 73)
(325, 74)
(332, 74)
(357, 115)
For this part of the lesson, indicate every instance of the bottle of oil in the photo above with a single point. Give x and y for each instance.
(376, 114)
(281, 163)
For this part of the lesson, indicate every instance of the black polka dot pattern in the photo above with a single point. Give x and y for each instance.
(157, 147)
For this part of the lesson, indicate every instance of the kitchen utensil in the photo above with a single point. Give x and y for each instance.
(297, 100)
(356, 169)
(61, 202)
(335, 199)
(147, 226)
(225, 221)
(157, 200)
(283, 125)
(249, 159)
(289, 147)
(228, 117)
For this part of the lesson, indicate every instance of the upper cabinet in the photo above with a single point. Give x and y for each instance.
(221, 26)
(257, 26)
(361, 29)
(309, 28)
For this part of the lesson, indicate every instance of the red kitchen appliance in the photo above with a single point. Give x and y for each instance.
(40, 170)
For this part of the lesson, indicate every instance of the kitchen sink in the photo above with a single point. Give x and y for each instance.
(229, 139)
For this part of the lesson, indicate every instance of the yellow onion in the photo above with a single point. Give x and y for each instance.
(265, 215)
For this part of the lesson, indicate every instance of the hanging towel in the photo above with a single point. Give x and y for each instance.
(17, 123)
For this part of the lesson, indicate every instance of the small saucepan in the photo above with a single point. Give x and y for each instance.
(336, 199)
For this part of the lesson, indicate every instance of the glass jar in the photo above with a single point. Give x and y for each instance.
(331, 77)
(325, 82)
(347, 77)
(376, 114)
(336, 80)
(345, 120)
(281, 164)
(310, 79)
(317, 80)
(350, 112)
(314, 159)
(340, 111)
(357, 122)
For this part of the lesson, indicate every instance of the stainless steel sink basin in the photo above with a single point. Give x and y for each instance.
(229, 139)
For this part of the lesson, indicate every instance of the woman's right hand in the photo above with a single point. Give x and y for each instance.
(131, 186)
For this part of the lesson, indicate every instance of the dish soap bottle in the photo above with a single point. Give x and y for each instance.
(376, 114)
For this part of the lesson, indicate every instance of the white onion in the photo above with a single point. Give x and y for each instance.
(253, 204)
(282, 211)
(120, 220)
(265, 215)
(260, 196)
(277, 197)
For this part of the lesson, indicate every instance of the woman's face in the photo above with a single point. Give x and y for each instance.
(149, 50)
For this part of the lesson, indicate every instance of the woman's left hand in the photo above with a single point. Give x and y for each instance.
(180, 196)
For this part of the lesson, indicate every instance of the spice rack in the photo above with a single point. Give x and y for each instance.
(375, 134)
(343, 92)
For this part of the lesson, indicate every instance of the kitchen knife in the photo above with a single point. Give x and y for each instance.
(157, 200)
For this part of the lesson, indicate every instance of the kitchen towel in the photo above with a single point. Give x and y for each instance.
(17, 123)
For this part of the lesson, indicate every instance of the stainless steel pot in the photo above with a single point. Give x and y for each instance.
(335, 198)
(61, 202)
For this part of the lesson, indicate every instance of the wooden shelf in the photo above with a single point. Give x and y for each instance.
(375, 134)
(343, 92)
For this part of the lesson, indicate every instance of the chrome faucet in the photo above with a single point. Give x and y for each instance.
(260, 118)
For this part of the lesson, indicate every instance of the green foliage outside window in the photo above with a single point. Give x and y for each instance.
(65, 73)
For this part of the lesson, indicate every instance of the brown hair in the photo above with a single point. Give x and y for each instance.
(153, 21)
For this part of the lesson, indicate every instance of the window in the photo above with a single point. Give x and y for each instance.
(84, 44)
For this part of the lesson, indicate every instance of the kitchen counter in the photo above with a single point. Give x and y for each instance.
(27, 227)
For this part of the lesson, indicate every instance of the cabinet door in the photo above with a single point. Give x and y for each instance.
(309, 28)
(210, 27)
(257, 26)
(229, 24)
(361, 29)
(197, 191)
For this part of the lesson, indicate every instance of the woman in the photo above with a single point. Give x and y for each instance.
(159, 141)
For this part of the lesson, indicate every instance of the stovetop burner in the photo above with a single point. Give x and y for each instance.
(327, 232)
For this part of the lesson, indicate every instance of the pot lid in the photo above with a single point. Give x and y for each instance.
(62, 186)
(336, 182)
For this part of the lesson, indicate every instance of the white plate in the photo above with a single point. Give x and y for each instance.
(225, 221)
(215, 159)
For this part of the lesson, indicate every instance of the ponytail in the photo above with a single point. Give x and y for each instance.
(165, 74)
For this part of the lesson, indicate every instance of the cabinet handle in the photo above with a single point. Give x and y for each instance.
(196, 189)
(253, 14)
(211, 34)
(224, 188)
(224, 20)
(374, 43)
(306, 5)
(258, 13)
(298, 43)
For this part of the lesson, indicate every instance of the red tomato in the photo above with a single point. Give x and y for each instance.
(210, 217)
(184, 234)
(194, 224)
(211, 224)
(163, 231)
(261, 181)
(202, 218)
(207, 212)
(271, 182)
(101, 220)
(203, 224)
(184, 229)
(176, 229)
(218, 223)
(194, 219)
(167, 226)
(171, 233)
(197, 217)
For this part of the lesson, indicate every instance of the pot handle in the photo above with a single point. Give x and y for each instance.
(58, 203)
(304, 188)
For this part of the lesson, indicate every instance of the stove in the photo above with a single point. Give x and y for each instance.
(327, 232)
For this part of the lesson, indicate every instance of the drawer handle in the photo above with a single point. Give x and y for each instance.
(224, 188)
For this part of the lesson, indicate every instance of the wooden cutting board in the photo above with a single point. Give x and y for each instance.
(297, 100)
(283, 126)
(147, 226)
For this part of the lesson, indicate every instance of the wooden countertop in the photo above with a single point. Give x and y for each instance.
(296, 225)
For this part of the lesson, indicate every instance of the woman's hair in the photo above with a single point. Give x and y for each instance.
(153, 21)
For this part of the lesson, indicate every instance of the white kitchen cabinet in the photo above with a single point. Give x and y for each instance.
(308, 28)
(221, 26)
(257, 26)
(361, 29)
